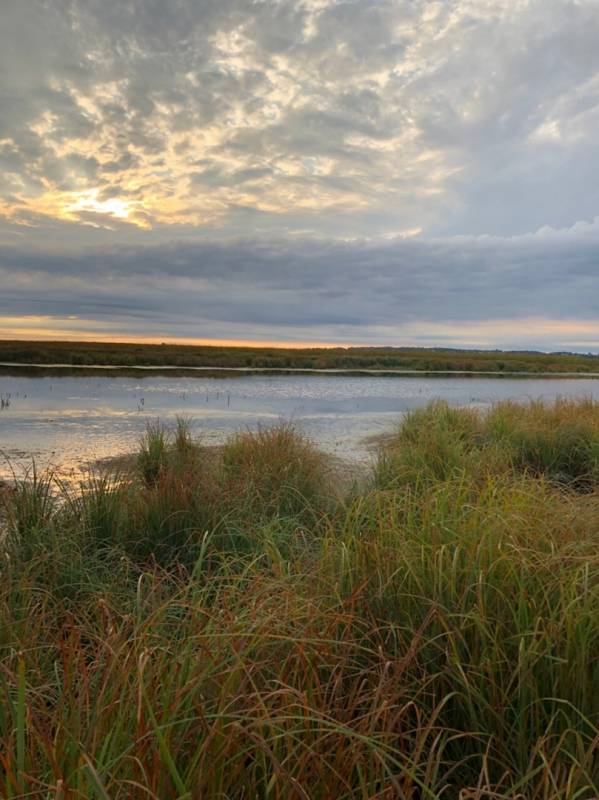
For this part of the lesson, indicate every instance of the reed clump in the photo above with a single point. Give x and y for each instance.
(235, 627)
(276, 472)
(559, 442)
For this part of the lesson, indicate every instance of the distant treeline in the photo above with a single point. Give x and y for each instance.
(357, 358)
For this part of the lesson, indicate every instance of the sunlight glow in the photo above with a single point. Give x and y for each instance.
(88, 201)
(576, 334)
(72, 328)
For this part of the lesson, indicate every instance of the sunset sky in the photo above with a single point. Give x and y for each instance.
(392, 172)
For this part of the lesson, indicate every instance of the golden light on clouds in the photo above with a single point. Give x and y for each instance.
(88, 201)
(72, 328)
(83, 207)
(579, 334)
(252, 130)
(302, 169)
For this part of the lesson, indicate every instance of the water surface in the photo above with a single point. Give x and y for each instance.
(68, 421)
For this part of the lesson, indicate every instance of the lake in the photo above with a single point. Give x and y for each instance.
(69, 420)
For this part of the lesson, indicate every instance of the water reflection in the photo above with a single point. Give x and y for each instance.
(67, 420)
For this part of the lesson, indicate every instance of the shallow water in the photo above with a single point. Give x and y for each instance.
(69, 421)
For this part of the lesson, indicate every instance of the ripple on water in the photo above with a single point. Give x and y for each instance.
(68, 422)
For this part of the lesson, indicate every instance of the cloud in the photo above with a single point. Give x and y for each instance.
(258, 169)
(406, 290)
(454, 117)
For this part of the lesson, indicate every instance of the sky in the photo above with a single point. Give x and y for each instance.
(366, 172)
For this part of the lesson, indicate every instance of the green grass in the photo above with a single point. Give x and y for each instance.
(558, 442)
(236, 627)
(280, 358)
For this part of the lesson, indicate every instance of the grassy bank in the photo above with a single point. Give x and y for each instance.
(240, 624)
(353, 358)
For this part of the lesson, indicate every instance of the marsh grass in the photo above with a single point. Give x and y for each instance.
(277, 473)
(558, 441)
(29, 509)
(358, 358)
(235, 628)
(152, 456)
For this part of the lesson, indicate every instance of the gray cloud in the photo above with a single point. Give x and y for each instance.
(464, 115)
(246, 166)
(346, 291)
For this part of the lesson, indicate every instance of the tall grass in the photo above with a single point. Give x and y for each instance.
(558, 441)
(152, 454)
(276, 472)
(30, 512)
(240, 630)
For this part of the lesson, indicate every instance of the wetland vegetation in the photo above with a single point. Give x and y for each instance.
(279, 358)
(244, 622)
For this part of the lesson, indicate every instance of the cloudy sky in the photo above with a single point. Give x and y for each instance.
(353, 171)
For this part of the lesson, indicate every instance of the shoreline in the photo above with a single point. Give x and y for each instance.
(364, 371)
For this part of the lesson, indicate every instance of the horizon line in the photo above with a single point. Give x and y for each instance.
(278, 345)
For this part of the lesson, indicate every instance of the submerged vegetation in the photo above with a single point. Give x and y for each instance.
(240, 623)
(279, 358)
